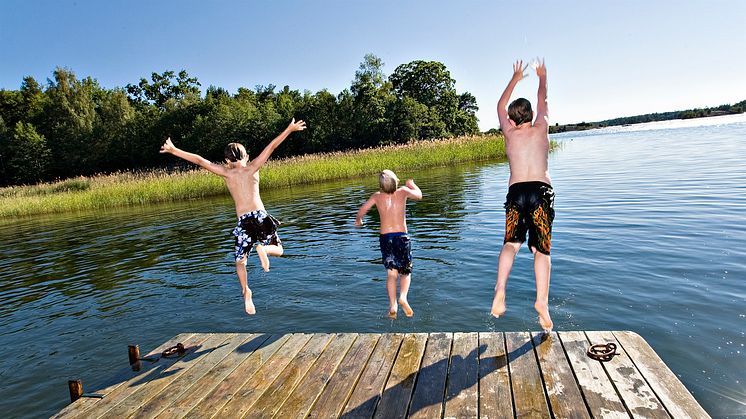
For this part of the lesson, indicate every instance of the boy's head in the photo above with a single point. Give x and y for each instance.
(234, 152)
(519, 111)
(388, 181)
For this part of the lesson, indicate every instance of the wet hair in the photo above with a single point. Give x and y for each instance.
(520, 111)
(388, 181)
(234, 152)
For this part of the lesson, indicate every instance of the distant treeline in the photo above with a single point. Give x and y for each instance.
(71, 127)
(739, 107)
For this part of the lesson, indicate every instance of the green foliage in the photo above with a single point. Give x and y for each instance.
(88, 129)
(160, 186)
(28, 155)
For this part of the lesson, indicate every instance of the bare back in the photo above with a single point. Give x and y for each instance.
(391, 209)
(527, 147)
(243, 184)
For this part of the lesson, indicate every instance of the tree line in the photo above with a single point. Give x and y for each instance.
(73, 126)
(727, 109)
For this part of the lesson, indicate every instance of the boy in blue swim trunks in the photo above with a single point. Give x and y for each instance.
(255, 226)
(529, 206)
(396, 249)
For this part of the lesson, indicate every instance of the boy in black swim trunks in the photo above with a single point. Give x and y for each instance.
(396, 249)
(529, 206)
(255, 226)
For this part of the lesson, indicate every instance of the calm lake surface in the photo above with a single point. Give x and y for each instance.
(650, 236)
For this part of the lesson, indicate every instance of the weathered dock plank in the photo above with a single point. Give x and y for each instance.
(675, 397)
(213, 378)
(463, 377)
(598, 391)
(310, 387)
(340, 386)
(364, 398)
(495, 396)
(427, 400)
(416, 375)
(528, 390)
(634, 391)
(565, 398)
(254, 388)
(122, 377)
(400, 385)
(215, 399)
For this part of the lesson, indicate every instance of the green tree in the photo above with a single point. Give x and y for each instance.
(28, 155)
(69, 116)
(163, 87)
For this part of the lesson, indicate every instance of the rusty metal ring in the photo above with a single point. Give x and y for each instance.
(176, 349)
(602, 352)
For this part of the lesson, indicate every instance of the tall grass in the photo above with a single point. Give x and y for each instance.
(124, 189)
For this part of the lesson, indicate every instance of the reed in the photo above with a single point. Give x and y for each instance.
(122, 189)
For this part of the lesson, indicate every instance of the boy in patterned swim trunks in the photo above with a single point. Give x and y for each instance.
(529, 205)
(396, 249)
(255, 226)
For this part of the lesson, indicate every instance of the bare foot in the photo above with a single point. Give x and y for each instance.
(248, 304)
(544, 320)
(405, 306)
(498, 304)
(262, 252)
(392, 311)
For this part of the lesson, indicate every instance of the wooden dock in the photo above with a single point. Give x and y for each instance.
(421, 375)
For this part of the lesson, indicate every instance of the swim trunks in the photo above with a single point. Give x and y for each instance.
(396, 252)
(255, 227)
(529, 207)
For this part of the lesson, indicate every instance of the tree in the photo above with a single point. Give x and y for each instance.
(163, 87)
(371, 94)
(28, 155)
(70, 113)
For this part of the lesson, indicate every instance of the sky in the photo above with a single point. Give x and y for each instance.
(604, 59)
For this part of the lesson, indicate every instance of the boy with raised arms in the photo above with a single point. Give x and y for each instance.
(255, 226)
(529, 204)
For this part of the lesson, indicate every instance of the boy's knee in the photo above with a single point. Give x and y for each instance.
(513, 246)
(241, 262)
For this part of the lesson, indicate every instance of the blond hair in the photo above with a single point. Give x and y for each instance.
(388, 181)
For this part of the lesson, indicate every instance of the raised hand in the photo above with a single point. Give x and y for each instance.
(410, 183)
(297, 126)
(168, 146)
(541, 69)
(519, 70)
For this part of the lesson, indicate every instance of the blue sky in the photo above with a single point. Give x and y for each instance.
(604, 58)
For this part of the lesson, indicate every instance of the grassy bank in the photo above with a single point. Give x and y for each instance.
(159, 186)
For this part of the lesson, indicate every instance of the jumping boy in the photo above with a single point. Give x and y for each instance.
(529, 205)
(396, 249)
(255, 226)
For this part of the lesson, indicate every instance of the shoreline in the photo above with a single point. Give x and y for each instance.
(156, 186)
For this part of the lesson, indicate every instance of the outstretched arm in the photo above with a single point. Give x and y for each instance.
(264, 155)
(364, 210)
(413, 191)
(542, 107)
(169, 147)
(502, 104)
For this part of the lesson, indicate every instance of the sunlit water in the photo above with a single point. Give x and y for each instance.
(650, 236)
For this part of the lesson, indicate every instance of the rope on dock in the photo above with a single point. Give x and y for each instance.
(602, 351)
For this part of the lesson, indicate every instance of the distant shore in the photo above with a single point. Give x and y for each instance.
(738, 108)
(124, 189)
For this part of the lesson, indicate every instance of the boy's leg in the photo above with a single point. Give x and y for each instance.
(243, 280)
(404, 281)
(504, 266)
(268, 250)
(542, 271)
(391, 275)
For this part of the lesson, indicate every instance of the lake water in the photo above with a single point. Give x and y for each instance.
(650, 236)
